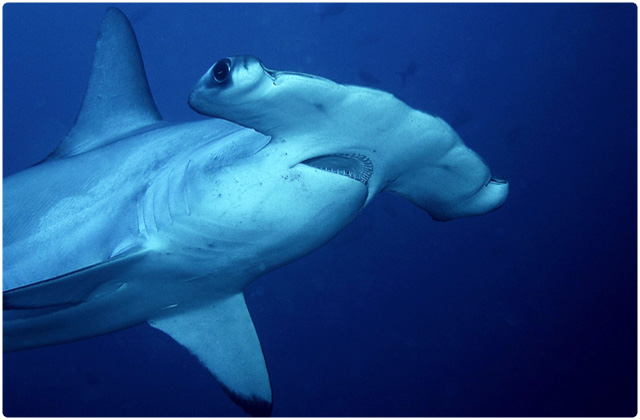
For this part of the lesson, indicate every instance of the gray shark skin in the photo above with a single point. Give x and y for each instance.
(133, 219)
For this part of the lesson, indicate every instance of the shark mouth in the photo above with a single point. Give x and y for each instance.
(354, 166)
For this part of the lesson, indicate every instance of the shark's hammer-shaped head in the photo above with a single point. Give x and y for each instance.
(365, 133)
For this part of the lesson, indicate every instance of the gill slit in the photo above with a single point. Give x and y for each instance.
(185, 187)
(169, 195)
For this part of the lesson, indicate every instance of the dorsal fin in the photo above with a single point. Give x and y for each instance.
(118, 99)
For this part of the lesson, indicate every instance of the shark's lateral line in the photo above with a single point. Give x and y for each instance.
(132, 219)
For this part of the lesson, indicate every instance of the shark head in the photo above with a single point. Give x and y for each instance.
(354, 131)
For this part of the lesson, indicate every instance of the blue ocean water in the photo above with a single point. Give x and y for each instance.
(527, 311)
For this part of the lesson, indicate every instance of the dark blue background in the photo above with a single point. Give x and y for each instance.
(528, 311)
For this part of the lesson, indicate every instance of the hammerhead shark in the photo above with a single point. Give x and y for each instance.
(133, 219)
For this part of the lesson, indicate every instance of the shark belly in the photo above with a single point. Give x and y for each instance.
(103, 253)
(79, 260)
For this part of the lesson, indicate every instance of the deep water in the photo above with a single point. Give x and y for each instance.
(527, 311)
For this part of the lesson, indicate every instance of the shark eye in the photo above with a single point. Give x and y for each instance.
(221, 70)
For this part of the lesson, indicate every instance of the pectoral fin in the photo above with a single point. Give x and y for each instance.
(71, 288)
(222, 336)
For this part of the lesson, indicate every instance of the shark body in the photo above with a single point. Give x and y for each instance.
(133, 219)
